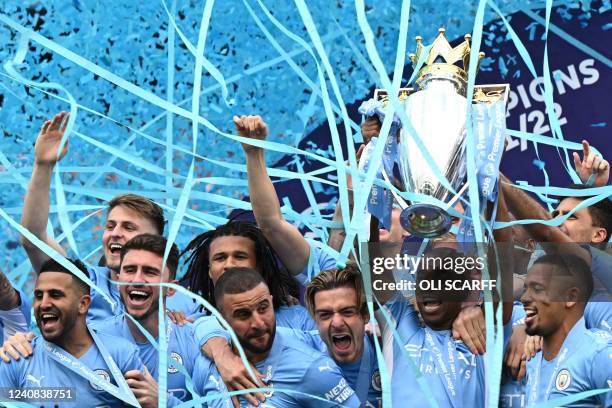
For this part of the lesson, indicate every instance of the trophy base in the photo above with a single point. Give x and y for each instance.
(425, 220)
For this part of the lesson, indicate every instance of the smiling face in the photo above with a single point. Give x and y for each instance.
(543, 300)
(579, 226)
(547, 299)
(141, 266)
(251, 315)
(340, 323)
(122, 224)
(58, 305)
(230, 252)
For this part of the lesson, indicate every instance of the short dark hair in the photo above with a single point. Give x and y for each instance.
(51, 265)
(573, 266)
(347, 277)
(236, 280)
(143, 206)
(157, 245)
(600, 212)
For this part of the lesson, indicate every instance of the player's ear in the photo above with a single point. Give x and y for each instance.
(171, 291)
(599, 235)
(84, 303)
(572, 297)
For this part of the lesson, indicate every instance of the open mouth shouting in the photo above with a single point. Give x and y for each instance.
(114, 248)
(342, 343)
(49, 321)
(138, 297)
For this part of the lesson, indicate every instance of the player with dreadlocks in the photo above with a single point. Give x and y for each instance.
(242, 244)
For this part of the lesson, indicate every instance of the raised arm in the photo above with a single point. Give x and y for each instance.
(36, 204)
(285, 239)
(505, 251)
(523, 206)
(9, 298)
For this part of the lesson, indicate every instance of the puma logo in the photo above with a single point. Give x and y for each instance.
(30, 377)
(326, 367)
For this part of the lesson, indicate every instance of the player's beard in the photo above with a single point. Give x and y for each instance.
(246, 343)
(67, 321)
(143, 315)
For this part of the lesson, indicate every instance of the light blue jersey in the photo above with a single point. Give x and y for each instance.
(584, 362)
(100, 308)
(512, 392)
(598, 312)
(182, 348)
(15, 320)
(363, 375)
(318, 261)
(455, 377)
(290, 365)
(183, 303)
(42, 370)
(601, 265)
(597, 315)
(294, 317)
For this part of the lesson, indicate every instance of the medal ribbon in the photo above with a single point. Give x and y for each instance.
(121, 390)
(450, 373)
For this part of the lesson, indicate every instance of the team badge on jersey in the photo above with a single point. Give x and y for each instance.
(103, 374)
(563, 380)
(376, 381)
(176, 357)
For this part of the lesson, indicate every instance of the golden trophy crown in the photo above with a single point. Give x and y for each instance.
(441, 63)
(441, 50)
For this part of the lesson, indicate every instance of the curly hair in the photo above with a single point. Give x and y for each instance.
(281, 284)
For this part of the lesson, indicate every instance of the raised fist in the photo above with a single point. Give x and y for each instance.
(253, 127)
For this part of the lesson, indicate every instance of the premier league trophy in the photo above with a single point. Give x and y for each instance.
(437, 110)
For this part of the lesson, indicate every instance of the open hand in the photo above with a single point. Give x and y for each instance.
(49, 138)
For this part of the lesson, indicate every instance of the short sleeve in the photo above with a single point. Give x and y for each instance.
(403, 314)
(295, 317)
(598, 315)
(601, 264)
(518, 314)
(8, 377)
(207, 327)
(183, 303)
(318, 261)
(207, 382)
(324, 380)
(192, 348)
(15, 320)
(601, 374)
(311, 338)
